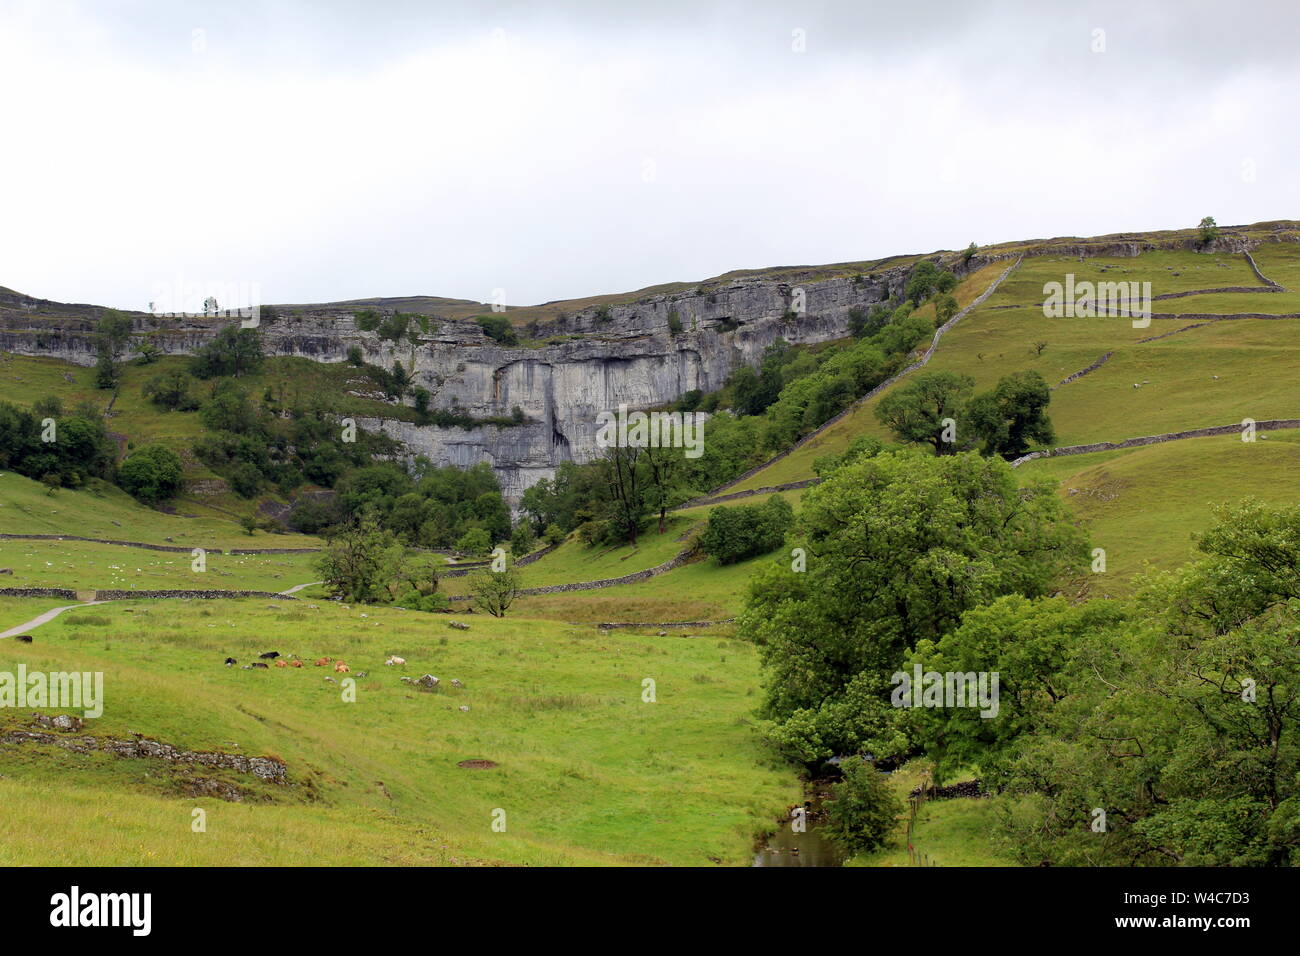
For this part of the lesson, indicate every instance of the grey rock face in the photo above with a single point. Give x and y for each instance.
(597, 360)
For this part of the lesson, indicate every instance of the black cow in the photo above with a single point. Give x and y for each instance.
(269, 655)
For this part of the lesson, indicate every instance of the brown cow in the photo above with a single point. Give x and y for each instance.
(322, 662)
(341, 668)
(295, 663)
(281, 663)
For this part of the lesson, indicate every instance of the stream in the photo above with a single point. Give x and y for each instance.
(785, 847)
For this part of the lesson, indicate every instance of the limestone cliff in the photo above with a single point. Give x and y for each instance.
(595, 359)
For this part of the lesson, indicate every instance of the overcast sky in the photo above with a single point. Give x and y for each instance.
(322, 151)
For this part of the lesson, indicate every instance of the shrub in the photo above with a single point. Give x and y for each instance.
(234, 351)
(734, 534)
(355, 357)
(475, 542)
(171, 390)
(245, 479)
(521, 540)
(495, 591)
(152, 474)
(413, 600)
(674, 322)
(862, 810)
(499, 329)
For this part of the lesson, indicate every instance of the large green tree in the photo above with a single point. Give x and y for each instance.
(899, 546)
(1013, 416)
(917, 411)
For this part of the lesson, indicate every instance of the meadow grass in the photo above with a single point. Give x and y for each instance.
(1144, 505)
(587, 772)
(1253, 359)
(101, 510)
(79, 564)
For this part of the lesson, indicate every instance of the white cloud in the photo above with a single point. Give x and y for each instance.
(334, 152)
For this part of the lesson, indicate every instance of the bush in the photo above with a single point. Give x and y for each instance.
(734, 534)
(355, 357)
(498, 328)
(554, 534)
(245, 479)
(234, 351)
(152, 474)
(521, 540)
(862, 809)
(413, 600)
(475, 542)
(495, 591)
(674, 322)
(171, 390)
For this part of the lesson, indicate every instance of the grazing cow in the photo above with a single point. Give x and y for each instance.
(341, 668)
(23, 638)
(269, 655)
(295, 663)
(257, 664)
(394, 660)
(281, 663)
(231, 662)
(323, 661)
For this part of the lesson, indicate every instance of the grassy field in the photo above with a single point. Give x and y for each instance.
(956, 832)
(575, 561)
(1253, 359)
(78, 564)
(586, 772)
(1143, 505)
(101, 510)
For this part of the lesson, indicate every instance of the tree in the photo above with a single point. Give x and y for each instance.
(105, 370)
(737, 533)
(495, 591)
(475, 542)
(624, 485)
(228, 409)
(945, 307)
(171, 390)
(234, 351)
(916, 412)
(1012, 416)
(399, 380)
(969, 254)
(898, 547)
(359, 562)
(862, 810)
(151, 474)
(1209, 230)
(521, 540)
(113, 330)
(927, 278)
(674, 323)
(664, 467)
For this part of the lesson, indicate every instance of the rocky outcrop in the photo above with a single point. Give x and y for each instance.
(591, 361)
(270, 769)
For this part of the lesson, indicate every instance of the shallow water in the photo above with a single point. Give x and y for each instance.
(785, 847)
